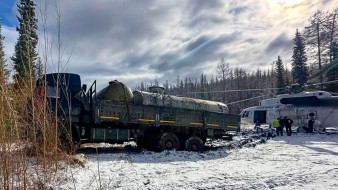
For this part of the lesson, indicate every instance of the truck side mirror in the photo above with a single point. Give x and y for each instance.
(84, 87)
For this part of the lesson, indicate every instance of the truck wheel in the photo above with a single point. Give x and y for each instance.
(143, 143)
(140, 143)
(169, 141)
(194, 144)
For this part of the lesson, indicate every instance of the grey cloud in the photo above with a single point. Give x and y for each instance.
(96, 69)
(125, 28)
(205, 19)
(118, 25)
(201, 12)
(200, 41)
(138, 59)
(238, 10)
(280, 43)
(197, 52)
(165, 38)
(196, 6)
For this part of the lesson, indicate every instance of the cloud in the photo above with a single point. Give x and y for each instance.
(196, 53)
(280, 43)
(11, 36)
(238, 10)
(138, 41)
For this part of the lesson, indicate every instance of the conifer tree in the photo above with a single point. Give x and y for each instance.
(39, 69)
(280, 73)
(299, 68)
(25, 49)
(202, 86)
(3, 71)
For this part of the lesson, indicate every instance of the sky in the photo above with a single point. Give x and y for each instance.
(137, 41)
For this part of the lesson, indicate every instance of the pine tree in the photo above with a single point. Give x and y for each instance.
(25, 49)
(299, 68)
(280, 82)
(3, 71)
(202, 86)
(39, 68)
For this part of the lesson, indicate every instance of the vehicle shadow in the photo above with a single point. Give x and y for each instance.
(322, 150)
(212, 151)
(310, 140)
(136, 155)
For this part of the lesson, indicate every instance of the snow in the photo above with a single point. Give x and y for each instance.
(12, 147)
(302, 161)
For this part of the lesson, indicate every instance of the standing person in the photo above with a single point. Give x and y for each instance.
(310, 125)
(282, 124)
(276, 124)
(288, 125)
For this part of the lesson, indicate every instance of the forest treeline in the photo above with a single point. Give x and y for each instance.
(313, 48)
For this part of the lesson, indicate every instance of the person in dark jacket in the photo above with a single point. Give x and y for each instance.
(282, 124)
(288, 124)
(310, 125)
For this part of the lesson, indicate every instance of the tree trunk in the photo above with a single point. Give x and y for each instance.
(319, 54)
(331, 37)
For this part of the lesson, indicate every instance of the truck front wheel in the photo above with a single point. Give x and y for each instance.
(169, 141)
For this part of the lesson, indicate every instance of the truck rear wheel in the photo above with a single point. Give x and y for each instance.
(169, 141)
(194, 144)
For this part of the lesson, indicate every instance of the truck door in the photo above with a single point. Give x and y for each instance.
(260, 117)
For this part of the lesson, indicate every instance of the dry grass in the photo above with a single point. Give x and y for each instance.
(32, 139)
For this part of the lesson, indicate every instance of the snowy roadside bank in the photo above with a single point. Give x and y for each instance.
(303, 161)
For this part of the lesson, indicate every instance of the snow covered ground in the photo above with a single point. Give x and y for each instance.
(302, 161)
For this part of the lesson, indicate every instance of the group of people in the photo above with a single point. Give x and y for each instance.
(286, 122)
(280, 123)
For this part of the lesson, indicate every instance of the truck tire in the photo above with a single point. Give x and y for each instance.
(169, 141)
(143, 143)
(194, 144)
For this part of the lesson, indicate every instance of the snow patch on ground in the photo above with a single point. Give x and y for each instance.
(302, 161)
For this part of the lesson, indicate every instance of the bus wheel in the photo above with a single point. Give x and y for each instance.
(194, 144)
(169, 141)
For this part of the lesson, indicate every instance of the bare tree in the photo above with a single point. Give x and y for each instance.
(315, 35)
(223, 71)
(331, 27)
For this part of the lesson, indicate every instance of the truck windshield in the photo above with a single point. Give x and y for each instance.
(53, 92)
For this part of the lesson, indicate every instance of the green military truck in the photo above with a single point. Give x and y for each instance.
(154, 120)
